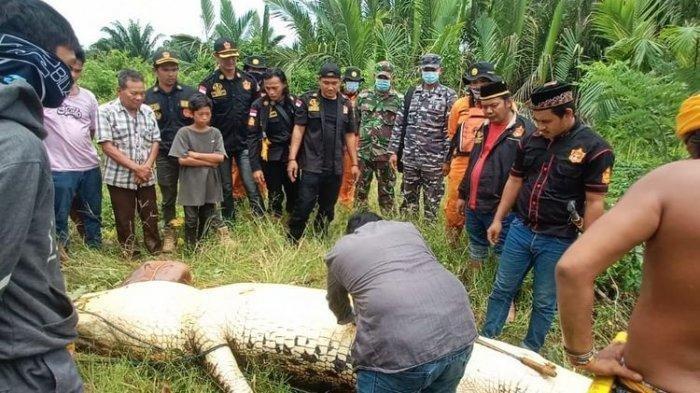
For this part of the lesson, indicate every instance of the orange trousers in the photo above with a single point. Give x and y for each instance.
(238, 187)
(347, 186)
(454, 220)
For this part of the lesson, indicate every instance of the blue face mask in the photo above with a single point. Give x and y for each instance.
(382, 85)
(352, 87)
(21, 60)
(430, 77)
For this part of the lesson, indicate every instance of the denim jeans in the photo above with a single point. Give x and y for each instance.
(439, 376)
(525, 250)
(476, 225)
(86, 186)
(251, 188)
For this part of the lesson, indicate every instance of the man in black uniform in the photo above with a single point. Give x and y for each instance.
(256, 67)
(168, 99)
(269, 134)
(563, 163)
(232, 91)
(324, 125)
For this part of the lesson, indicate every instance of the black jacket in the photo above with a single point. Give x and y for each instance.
(497, 164)
(274, 121)
(169, 109)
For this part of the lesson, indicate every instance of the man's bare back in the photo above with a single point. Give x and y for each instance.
(661, 210)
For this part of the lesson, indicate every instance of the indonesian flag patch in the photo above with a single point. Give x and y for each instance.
(253, 112)
(202, 89)
(298, 103)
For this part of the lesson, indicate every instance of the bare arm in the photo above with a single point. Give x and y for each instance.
(632, 221)
(595, 207)
(191, 161)
(338, 300)
(211, 158)
(297, 136)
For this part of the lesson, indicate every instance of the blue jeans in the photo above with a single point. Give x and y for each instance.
(439, 376)
(476, 225)
(251, 187)
(525, 250)
(87, 187)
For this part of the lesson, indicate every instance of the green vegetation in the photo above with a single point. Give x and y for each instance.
(634, 62)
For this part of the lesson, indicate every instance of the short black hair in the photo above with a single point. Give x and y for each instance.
(560, 110)
(359, 219)
(126, 75)
(38, 23)
(80, 55)
(199, 101)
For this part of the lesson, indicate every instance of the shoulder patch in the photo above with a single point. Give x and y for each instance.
(253, 112)
(202, 89)
(298, 103)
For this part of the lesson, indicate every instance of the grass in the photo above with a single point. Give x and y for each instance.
(261, 254)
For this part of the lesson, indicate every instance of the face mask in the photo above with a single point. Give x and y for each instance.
(352, 87)
(430, 77)
(382, 84)
(48, 75)
(476, 92)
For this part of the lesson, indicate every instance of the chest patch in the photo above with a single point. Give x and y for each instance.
(314, 106)
(577, 155)
(217, 90)
(246, 85)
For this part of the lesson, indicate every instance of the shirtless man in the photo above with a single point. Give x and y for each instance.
(662, 352)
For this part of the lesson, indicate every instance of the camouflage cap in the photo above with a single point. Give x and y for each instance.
(384, 68)
(430, 60)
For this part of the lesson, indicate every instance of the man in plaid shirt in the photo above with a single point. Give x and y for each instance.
(128, 133)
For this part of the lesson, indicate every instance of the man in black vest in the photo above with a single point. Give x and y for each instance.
(324, 125)
(168, 99)
(232, 91)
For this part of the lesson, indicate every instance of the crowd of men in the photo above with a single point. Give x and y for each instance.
(523, 189)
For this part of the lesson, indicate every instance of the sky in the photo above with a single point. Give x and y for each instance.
(166, 16)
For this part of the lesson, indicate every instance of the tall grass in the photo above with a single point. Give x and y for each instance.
(260, 253)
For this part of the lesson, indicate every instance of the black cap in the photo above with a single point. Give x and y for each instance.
(255, 61)
(481, 69)
(550, 95)
(493, 90)
(164, 56)
(430, 60)
(225, 47)
(353, 74)
(329, 70)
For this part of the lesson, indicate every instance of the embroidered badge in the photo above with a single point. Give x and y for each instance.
(576, 156)
(155, 106)
(479, 137)
(607, 174)
(298, 103)
(474, 71)
(184, 104)
(251, 121)
(218, 90)
(273, 113)
(313, 105)
(345, 110)
(246, 85)
(253, 112)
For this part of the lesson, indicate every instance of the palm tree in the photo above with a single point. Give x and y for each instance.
(134, 39)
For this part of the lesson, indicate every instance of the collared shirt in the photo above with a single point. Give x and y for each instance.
(311, 113)
(484, 188)
(409, 309)
(232, 99)
(426, 141)
(377, 115)
(267, 124)
(133, 136)
(169, 109)
(557, 171)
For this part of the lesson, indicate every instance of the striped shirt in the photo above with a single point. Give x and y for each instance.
(133, 136)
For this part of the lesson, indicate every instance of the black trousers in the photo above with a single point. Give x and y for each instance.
(199, 219)
(51, 372)
(168, 171)
(321, 188)
(279, 187)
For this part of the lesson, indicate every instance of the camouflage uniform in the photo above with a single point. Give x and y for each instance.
(425, 146)
(377, 111)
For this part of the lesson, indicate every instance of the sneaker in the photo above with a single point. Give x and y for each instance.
(169, 242)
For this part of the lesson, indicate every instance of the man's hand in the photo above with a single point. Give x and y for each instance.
(461, 204)
(392, 161)
(494, 231)
(143, 173)
(355, 171)
(608, 362)
(445, 169)
(259, 177)
(292, 170)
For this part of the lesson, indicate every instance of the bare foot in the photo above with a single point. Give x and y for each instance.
(511, 313)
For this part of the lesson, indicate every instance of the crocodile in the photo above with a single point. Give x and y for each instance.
(289, 327)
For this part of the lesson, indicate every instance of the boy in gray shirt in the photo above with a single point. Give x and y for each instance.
(199, 149)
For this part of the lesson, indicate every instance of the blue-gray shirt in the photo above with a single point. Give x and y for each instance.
(409, 310)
